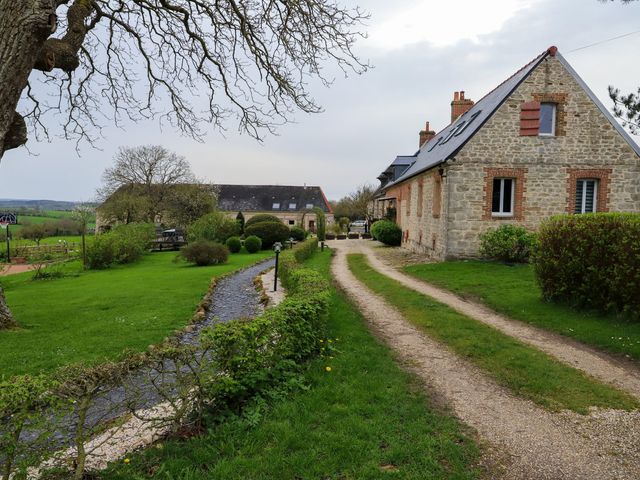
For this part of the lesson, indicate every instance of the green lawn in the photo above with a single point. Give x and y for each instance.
(366, 419)
(513, 291)
(525, 370)
(95, 315)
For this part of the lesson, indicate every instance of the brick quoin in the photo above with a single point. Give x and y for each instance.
(604, 186)
(519, 174)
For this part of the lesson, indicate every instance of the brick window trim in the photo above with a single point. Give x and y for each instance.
(603, 175)
(560, 99)
(519, 174)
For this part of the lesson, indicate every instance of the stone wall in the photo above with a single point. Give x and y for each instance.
(545, 170)
(421, 215)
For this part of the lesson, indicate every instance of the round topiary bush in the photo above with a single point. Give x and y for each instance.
(387, 232)
(298, 233)
(203, 252)
(261, 217)
(507, 243)
(269, 232)
(252, 244)
(234, 244)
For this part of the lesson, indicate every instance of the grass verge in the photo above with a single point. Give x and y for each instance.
(513, 291)
(364, 419)
(94, 315)
(526, 371)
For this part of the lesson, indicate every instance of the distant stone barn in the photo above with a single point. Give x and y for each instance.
(539, 144)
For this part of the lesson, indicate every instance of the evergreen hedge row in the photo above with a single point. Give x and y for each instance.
(591, 261)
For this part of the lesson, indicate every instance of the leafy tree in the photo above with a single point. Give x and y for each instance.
(34, 231)
(215, 227)
(252, 61)
(151, 184)
(321, 220)
(84, 214)
(355, 205)
(187, 203)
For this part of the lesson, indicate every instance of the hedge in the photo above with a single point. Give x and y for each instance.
(123, 244)
(591, 261)
(234, 362)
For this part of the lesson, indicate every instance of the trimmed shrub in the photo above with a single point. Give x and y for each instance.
(249, 356)
(252, 243)
(123, 244)
(387, 232)
(353, 235)
(507, 243)
(330, 236)
(203, 252)
(214, 227)
(298, 233)
(269, 232)
(365, 236)
(304, 250)
(234, 244)
(591, 260)
(261, 217)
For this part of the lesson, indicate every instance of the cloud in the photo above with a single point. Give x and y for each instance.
(371, 118)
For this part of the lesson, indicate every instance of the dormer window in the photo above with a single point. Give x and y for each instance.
(547, 119)
(275, 206)
(292, 206)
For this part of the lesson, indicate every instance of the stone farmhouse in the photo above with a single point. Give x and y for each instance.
(290, 203)
(539, 144)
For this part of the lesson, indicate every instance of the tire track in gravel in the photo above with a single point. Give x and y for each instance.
(527, 441)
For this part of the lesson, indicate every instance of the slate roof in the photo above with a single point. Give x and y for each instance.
(447, 143)
(261, 198)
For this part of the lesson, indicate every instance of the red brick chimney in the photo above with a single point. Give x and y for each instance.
(426, 135)
(459, 105)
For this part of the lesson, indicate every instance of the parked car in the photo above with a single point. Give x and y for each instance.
(359, 223)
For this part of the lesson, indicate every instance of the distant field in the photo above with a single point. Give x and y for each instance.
(42, 217)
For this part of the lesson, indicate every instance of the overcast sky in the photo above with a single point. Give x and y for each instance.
(422, 50)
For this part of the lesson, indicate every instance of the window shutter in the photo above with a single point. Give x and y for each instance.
(529, 119)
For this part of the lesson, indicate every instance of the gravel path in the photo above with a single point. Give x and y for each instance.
(524, 441)
(623, 375)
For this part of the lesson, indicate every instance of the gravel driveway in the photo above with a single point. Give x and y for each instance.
(522, 440)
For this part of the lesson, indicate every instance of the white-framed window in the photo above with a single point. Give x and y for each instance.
(503, 197)
(275, 206)
(547, 119)
(292, 206)
(309, 206)
(586, 195)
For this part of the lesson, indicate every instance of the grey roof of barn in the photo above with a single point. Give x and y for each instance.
(261, 198)
(447, 143)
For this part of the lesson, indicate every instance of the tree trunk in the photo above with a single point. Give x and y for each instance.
(24, 27)
(6, 319)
